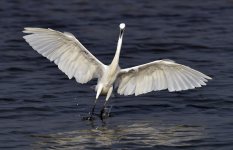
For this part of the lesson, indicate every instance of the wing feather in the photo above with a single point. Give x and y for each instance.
(159, 75)
(67, 52)
(180, 80)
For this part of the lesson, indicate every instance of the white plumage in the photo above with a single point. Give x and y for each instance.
(159, 75)
(67, 52)
(76, 61)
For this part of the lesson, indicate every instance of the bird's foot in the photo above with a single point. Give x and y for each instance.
(90, 118)
(104, 114)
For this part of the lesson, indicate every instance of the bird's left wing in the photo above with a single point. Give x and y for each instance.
(67, 52)
(158, 75)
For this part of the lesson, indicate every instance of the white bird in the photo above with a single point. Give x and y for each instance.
(76, 61)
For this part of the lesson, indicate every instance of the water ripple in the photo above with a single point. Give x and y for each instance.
(40, 108)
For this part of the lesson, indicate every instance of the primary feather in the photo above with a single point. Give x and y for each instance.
(67, 52)
(158, 75)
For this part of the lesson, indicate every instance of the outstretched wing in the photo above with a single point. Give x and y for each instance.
(158, 75)
(67, 52)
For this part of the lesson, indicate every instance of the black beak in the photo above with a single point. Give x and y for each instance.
(121, 32)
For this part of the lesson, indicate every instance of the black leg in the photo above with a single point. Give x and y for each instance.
(102, 112)
(91, 113)
(93, 109)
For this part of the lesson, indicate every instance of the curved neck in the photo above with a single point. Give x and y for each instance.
(115, 60)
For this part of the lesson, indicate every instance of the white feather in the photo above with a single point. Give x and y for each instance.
(163, 75)
(76, 61)
(67, 52)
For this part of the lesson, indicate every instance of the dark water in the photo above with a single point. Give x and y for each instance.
(41, 109)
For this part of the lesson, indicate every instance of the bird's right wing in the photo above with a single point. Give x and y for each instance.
(158, 75)
(67, 52)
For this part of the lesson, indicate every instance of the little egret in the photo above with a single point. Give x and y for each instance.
(76, 61)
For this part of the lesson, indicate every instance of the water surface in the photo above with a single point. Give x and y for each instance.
(41, 109)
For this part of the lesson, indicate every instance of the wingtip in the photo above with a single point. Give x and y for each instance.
(26, 29)
(209, 78)
(34, 29)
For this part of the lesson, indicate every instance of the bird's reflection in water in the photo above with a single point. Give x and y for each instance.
(138, 134)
